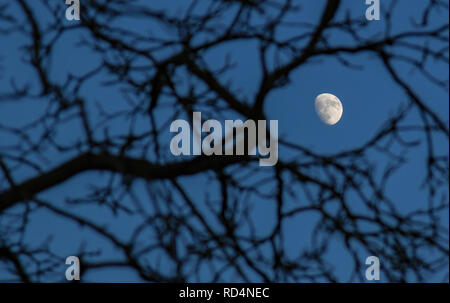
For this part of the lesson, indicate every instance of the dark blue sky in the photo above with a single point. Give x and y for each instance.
(369, 97)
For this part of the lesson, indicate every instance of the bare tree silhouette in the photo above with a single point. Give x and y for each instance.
(164, 77)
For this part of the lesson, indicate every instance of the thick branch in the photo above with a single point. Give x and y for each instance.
(136, 167)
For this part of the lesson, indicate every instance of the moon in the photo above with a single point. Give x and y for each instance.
(329, 108)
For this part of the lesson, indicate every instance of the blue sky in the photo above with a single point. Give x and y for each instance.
(368, 95)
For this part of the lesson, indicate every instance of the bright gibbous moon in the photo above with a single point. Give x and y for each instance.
(329, 108)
